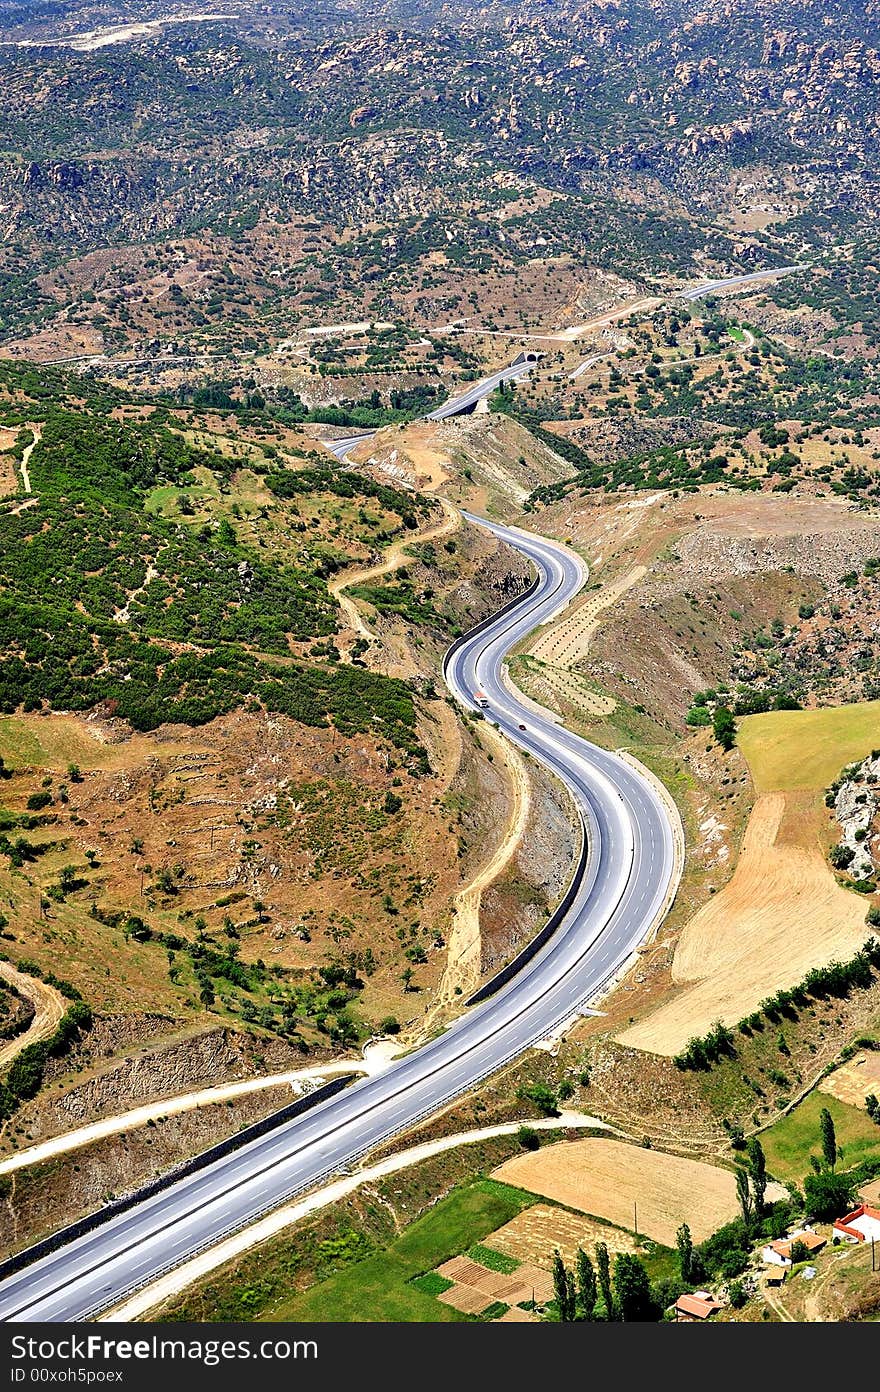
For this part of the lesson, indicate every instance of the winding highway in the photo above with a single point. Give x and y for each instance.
(619, 889)
(711, 287)
(455, 406)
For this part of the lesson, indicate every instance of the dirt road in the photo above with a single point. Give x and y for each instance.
(175, 1281)
(465, 948)
(48, 1003)
(37, 431)
(395, 556)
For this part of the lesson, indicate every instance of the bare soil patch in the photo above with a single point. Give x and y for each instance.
(467, 1299)
(8, 473)
(853, 1081)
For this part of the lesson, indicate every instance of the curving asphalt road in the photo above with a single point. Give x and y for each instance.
(709, 287)
(619, 894)
(455, 406)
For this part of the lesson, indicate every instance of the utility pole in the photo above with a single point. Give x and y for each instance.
(635, 1218)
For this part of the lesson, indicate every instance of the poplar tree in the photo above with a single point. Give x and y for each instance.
(743, 1193)
(685, 1244)
(564, 1289)
(758, 1173)
(829, 1138)
(604, 1269)
(586, 1280)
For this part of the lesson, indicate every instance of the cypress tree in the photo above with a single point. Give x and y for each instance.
(586, 1280)
(829, 1138)
(604, 1269)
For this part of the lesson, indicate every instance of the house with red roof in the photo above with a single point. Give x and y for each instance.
(699, 1306)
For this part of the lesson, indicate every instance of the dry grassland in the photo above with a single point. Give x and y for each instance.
(612, 1180)
(780, 914)
(533, 1235)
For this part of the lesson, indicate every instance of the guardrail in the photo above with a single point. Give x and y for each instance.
(533, 947)
(487, 623)
(28, 1255)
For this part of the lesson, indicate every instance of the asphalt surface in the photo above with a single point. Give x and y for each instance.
(455, 406)
(617, 899)
(709, 287)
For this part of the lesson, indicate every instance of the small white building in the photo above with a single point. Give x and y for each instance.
(778, 1253)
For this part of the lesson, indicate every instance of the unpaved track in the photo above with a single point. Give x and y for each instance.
(37, 431)
(171, 1106)
(564, 645)
(464, 951)
(49, 1004)
(175, 1281)
(394, 557)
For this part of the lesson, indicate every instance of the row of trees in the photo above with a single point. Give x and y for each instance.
(837, 979)
(590, 1293)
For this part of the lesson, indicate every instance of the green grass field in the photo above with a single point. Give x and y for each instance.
(379, 1289)
(790, 1142)
(787, 750)
(46, 742)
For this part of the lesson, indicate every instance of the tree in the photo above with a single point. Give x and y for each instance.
(736, 1291)
(829, 1138)
(828, 1194)
(586, 1281)
(684, 1242)
(799, 1251)
(67, 878)
(563, 1287)
(528, 1138)
(758, 1173)
(632, 1289)
(542, 1096)
(604, 1271)
(206, 995)
(743, 1193)
(724, 727)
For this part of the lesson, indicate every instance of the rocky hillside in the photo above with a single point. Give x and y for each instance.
(455, 146)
